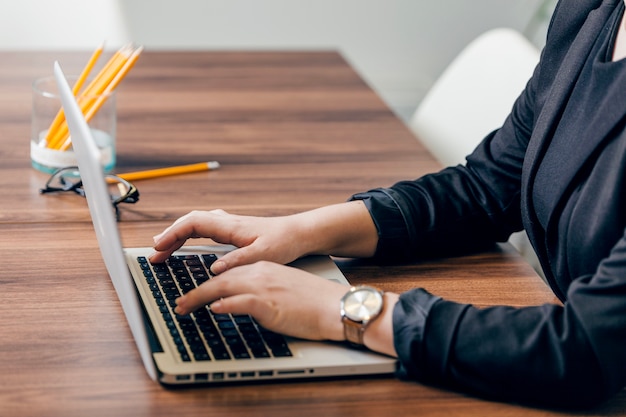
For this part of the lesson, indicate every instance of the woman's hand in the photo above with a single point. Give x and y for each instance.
(283, 299)
(343, 229)
(289, 301)
(257, 238)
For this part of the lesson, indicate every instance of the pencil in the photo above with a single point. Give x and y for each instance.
(85, 73)
(175, 170)
(55, 138)
(91, 108)
(60, 117)
(113, 83)
(108, 71)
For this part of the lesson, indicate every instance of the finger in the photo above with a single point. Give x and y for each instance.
(160, 256)
(206, 293)
(239, 304)
(238, 257)
(183, 228)
(159, 236)
(175, 236)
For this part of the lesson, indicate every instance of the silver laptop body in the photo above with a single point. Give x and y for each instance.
(159, 349)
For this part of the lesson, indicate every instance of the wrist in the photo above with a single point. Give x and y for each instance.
(379, 334)
(344, 229)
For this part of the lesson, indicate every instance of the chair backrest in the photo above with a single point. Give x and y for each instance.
(474, 94)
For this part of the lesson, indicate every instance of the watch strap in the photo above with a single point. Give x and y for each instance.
(353, 332)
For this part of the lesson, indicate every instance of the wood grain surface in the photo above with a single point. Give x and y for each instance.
(292, 131)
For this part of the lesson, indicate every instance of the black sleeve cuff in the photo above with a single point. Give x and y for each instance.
(424, 329)
(393, 236)
(409, 325)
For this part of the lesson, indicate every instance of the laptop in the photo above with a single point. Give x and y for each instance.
(200, 348)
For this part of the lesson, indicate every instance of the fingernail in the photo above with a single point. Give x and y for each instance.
(218, 267)
(179, 309)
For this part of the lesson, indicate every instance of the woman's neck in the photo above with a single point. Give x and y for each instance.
(619, 50)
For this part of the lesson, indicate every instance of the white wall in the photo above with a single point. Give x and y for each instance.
(60, 24)
(398, 46)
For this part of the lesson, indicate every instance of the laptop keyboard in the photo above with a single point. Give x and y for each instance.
(202, 335)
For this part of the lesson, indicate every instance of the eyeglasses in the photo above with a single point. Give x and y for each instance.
(68, 179)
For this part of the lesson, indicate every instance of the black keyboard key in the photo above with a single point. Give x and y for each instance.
(200, 277)
(159, 267)
(202, 314)
(208, 260)
(180, 275)
(258, 349)
(193, 262)
(167, 282)
(220, 353)
(201, 356)
(281, 351)
(210, 333)
(186, 286)
(226, 325)
(171, 292)
(276, 343)
(242, 319)
(163, 275)
(236, 345)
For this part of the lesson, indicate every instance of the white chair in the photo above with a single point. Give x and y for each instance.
(472, 97)
(474, 94)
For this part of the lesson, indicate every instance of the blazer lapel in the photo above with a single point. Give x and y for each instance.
(566, 76)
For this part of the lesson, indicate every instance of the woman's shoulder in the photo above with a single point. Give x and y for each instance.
(570, 23)
(570, 15)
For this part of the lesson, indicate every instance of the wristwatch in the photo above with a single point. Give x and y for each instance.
(359, 307)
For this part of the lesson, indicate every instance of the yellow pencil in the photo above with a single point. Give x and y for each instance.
(95, 105)
(108, 70)
(85, 73)
(60, 117)
(175, 170)
(56, 139)
(89, 111)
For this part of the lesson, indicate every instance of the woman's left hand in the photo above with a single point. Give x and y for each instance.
(283, 299)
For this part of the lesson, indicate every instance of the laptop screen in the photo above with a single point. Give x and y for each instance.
(102, 216)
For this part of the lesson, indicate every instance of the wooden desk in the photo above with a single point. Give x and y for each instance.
(292, 131)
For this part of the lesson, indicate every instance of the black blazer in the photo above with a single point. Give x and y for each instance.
(570, 355)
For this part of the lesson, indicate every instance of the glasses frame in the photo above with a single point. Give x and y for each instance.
(130, 197)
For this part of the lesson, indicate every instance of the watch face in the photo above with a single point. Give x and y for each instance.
(362, 304)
